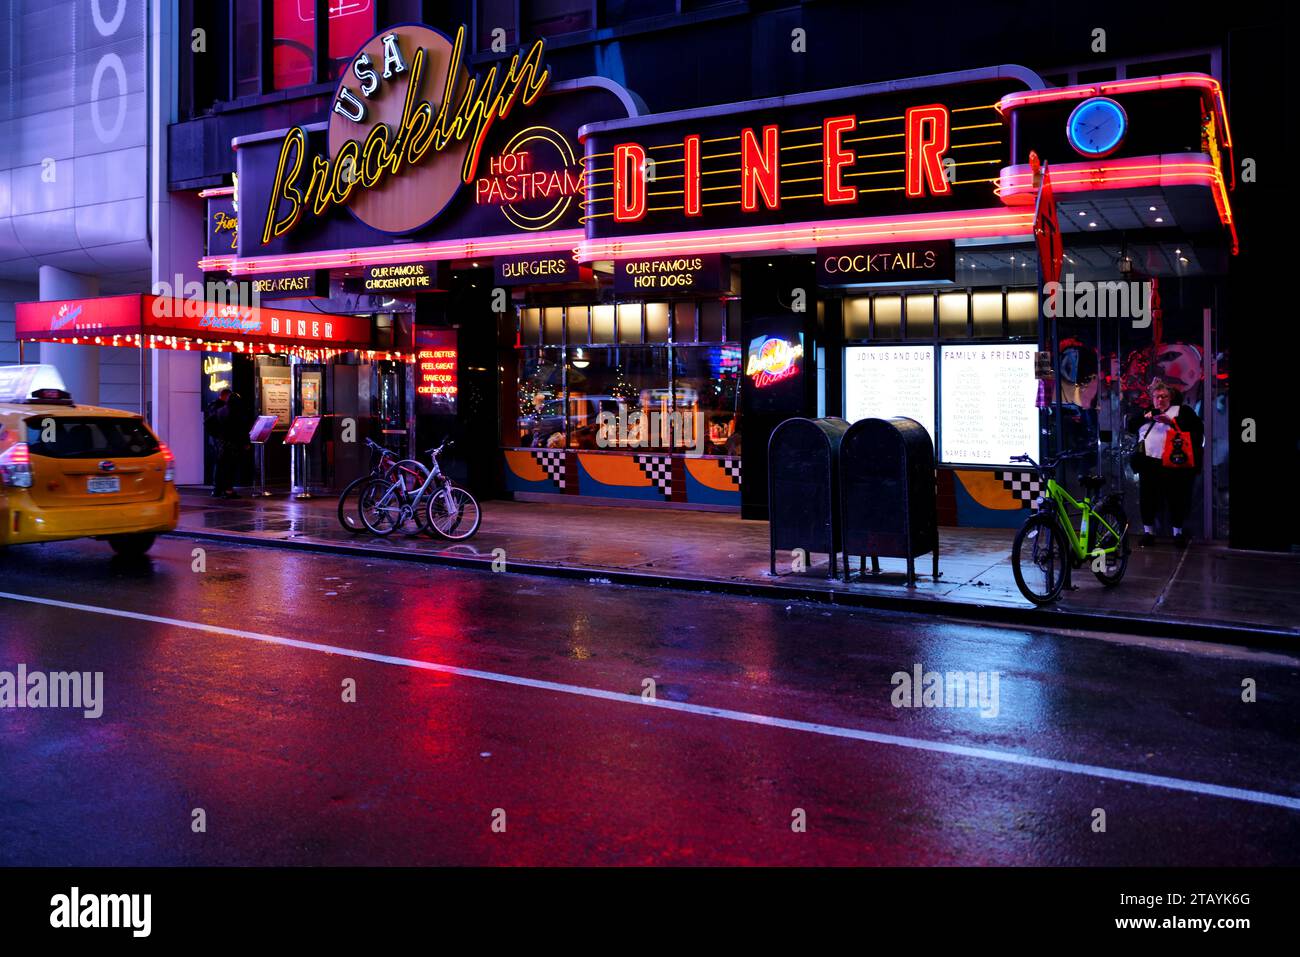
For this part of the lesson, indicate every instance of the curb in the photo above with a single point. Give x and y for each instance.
(1145, 626)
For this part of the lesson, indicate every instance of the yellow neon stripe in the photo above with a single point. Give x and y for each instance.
(974, 126)
(882, 136)
(967, 146)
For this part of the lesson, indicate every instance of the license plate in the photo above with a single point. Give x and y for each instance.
(103, 483)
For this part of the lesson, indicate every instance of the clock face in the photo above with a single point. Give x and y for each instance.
(1097, 127)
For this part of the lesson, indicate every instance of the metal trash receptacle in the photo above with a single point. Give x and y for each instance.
(803, 487)
(888, 505)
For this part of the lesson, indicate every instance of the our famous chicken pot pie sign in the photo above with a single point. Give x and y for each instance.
(406, 131)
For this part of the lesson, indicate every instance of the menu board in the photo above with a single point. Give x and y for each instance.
(303, 430)
(277, 394)
(881, 382)
(987, 400)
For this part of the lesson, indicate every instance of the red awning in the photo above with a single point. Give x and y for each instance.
(158, 321)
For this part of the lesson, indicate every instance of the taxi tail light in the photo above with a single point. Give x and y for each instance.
(16, 466)
(169, 474)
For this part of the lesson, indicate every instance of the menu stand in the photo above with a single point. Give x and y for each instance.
(301, 431)
(259, 435)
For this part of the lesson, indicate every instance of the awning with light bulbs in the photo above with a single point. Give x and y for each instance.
(159, 322)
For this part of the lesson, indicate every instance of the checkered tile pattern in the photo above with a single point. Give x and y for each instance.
(659, 470)
(1023, 485)
(732, 468)
(552, 463)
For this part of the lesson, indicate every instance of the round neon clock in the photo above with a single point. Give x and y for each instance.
(1097, 127)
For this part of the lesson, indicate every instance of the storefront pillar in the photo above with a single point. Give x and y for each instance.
(79, 365)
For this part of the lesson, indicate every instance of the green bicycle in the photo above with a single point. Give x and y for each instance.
(1048, 547)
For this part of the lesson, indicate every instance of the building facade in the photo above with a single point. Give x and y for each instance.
(609, 246)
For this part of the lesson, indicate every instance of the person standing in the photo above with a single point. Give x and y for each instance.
(1167, 460)
(224, 424)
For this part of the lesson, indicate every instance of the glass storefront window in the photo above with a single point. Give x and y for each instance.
(530, 324)
(541, 398)
(602, 324)
(952, 315)
(707, 398)
(684, 321)
(920, 316)
(712, 319)
(576, 321)
(986, 311)
(656, 322)
(889, 317)
(553, 325)
(629, 322)
(621, 382)
(1022, 312)
(857, 317)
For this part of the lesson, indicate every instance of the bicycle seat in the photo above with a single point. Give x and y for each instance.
(1092, 482)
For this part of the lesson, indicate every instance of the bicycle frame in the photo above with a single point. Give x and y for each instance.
(1078, 540)
(412, 500)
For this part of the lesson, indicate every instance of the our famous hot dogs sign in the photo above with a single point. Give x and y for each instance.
(417, 143)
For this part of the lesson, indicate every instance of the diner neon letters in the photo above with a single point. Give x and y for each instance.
(385, 150)
(926, 141)
(629, 182)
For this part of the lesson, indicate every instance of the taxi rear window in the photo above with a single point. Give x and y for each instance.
(89, 437)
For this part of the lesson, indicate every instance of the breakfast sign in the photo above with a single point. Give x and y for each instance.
(416, 146)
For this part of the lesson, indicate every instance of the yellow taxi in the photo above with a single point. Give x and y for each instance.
(78, 471)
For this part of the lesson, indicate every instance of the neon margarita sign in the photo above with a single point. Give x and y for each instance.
(773, 359)
(460, 123)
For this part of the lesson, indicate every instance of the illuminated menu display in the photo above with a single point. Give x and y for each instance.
(881, 382)
(435, 369)
(987, 401)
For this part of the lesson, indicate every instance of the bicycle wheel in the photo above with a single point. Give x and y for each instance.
(1115, 563)
(380, 507)
(453, 513)
(1038, 559)
(349, 517)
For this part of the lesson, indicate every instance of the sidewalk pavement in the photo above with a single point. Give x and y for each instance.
(1208, 592)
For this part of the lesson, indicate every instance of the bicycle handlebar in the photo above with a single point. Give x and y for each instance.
(1048, 465)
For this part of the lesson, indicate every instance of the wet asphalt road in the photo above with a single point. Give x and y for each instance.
(255, 732)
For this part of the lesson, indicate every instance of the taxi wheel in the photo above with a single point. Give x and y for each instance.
(131, 545)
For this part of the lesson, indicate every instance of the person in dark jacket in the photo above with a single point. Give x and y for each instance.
(1164, 486)
(225, 426)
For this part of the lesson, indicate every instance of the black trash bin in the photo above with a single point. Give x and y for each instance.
(887, 493)
(803, 486)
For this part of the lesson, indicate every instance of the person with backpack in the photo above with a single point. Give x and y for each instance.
(1167, 458)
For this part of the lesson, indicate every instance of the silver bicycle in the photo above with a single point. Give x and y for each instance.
(385, 505)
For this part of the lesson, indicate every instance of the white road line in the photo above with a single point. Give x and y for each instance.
(829, 730)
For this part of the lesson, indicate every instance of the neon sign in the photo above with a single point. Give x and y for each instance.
(773, 359)
(365, 162)
(534, 180)
(926, 142)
